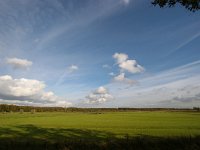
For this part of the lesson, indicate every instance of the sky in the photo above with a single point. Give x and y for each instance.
(98, 53)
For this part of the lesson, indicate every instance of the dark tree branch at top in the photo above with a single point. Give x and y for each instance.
(192, 5)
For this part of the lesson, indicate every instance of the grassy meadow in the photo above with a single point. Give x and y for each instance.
(98, 127)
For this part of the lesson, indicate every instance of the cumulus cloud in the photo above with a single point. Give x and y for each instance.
(101, 90)
(98, 96)
(120, 57)
(127, 65)
(18, 63)
(131, 66)
(19, 87)
(73, 68)
(122, 79)
(27, 91)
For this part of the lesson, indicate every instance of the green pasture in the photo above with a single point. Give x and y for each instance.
(60, 125)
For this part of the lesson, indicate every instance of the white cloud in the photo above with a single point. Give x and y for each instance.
(120, 57)
(177, 87)
(127, 65)
(101, 90)
(18, 63)
(27, 90)
(126, 1)
(106, 66)
(73, 68)
(6, 77)
(131, 66)
(122, 79)
(98, 96)
(111, 74)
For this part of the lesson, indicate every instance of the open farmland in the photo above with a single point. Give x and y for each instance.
(61, 126)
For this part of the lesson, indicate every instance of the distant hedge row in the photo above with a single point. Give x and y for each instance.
(15, 108)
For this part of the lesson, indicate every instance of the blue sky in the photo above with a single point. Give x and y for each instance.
(102, 53)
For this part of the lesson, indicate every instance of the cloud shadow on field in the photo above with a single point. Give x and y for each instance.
(31, 137)
(55, 134)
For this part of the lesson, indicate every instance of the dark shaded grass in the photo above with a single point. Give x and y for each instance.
(134, 143)
(35, 138)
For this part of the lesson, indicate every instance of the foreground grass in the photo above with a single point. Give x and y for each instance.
(102, 129)
(116, 124)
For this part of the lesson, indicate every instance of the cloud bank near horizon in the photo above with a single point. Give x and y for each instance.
(28, 91)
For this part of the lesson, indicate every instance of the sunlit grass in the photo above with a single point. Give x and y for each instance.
(117, 124)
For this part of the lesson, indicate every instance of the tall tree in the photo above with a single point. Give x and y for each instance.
(192, 5)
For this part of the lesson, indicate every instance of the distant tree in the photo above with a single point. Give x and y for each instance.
(196, 108)
(192, 5)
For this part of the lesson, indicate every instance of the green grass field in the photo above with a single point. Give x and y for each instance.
(143, 130)
(93, 125)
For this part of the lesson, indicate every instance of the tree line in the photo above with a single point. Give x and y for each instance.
(16, 108)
